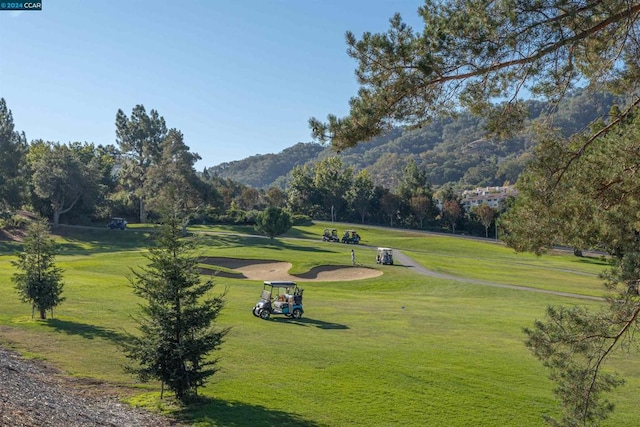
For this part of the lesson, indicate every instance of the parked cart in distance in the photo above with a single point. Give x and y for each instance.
(117, 224)
(351, 236)
(330, 235)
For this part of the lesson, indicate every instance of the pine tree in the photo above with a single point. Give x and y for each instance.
(176, 326)
(38, 280)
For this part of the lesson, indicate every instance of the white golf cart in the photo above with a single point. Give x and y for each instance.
(385, 256)
(279, 297)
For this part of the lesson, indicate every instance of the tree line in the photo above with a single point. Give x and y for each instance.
(150, 166)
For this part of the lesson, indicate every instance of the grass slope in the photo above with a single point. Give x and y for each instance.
(400, 349)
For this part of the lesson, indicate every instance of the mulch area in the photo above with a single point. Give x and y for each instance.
(33, 394)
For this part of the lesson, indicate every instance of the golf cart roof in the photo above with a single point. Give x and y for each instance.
(280, 284)
(385, 249)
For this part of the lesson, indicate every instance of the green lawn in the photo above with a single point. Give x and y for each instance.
(399, 349)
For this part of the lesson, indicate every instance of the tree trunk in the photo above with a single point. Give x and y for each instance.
(43, 313)
(143, 212)
(59, 209)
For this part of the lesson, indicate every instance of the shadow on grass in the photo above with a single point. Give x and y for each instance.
(223, 239)
(86, 331)
(306, 321)
(592, 260)
(302, 234)
(280, 245)
(84, 240)
(9, 248)
(218, 412)
(232, 240)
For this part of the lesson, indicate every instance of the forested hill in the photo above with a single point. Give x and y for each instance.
(451, 150)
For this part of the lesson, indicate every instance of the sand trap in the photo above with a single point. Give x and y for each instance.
(277, 270)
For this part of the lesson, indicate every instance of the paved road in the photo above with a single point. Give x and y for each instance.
(411, 263)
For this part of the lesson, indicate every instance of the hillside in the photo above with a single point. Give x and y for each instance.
(451, 150)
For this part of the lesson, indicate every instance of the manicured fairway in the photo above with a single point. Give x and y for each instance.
(399, 349)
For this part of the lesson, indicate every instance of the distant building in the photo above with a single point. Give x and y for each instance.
(488, 195)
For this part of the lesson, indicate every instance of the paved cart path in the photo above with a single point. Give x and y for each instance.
(419, 269)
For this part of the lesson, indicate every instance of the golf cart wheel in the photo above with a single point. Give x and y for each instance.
(255, 312)
(297, 313)
(264, 314)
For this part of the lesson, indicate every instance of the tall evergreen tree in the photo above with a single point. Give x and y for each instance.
(173, 173)
(13, 147)
(139, 138)
(38, 280)
(176, 328)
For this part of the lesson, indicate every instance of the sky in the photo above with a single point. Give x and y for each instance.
(237, 77)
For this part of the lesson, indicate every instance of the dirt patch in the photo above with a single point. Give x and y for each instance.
(277, 270)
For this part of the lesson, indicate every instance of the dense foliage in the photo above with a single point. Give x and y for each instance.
(273, 222)
(13, 146)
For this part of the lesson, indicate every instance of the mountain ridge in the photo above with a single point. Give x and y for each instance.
(452, 150)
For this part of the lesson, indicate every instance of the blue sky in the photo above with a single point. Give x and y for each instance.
(237, 77)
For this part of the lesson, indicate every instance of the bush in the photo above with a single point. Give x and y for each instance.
(300, 220)
(273, 222)
(17, 222)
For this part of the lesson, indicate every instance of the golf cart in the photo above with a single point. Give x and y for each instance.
(385, 256)
(351, 236)
(279, 298)
(117, 223)
(330, 236)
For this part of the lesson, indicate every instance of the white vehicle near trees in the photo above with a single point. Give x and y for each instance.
(385, 256)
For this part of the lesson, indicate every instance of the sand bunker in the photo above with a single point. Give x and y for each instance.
(277, 270)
